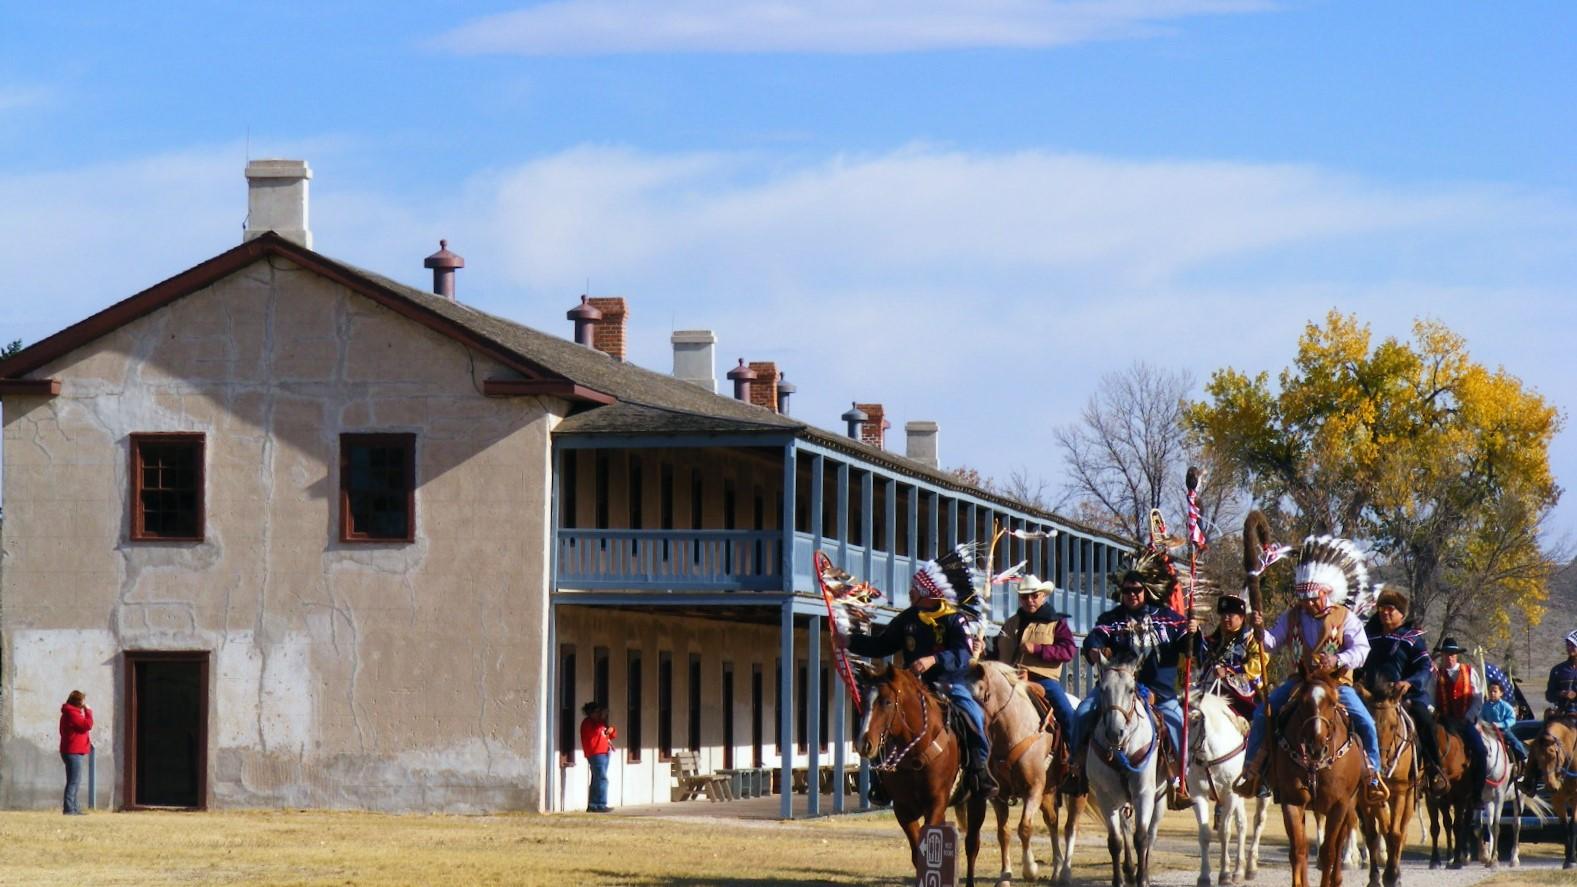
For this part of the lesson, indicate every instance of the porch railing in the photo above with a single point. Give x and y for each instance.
(729, 560)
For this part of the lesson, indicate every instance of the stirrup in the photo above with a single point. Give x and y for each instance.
(1375, 791)
(1178, 797)
(1248, 782)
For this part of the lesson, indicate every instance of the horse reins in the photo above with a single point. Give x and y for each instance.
(890, 761)
(1312, 765)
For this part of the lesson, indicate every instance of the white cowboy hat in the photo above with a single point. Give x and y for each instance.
(1031, 584)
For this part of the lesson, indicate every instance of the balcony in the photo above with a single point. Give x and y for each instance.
(643, 560)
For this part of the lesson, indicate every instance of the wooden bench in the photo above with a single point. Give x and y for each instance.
(693, 783)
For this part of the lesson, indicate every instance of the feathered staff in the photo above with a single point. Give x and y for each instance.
(1259, 552)
(1196, 544)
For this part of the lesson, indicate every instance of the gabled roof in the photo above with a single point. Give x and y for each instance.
(622, 397)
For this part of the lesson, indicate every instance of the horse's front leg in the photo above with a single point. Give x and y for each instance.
(1001, 809)
(1297, 843)
(1436, 813)
(1026, 836)
(977, 816)
(1513, 858)
(1114, 843)
(1333, 853)
(911, 825)
(1202, 819)
(1261, 813)
(1070, 834)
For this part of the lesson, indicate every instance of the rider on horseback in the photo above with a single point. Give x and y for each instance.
(1116, 632)
(1230, 660)
(1398, 652)
(1499, 713)
(933, 638)
(1037, 640)
(1331, 639)
(1459, 694)
(1561, 691)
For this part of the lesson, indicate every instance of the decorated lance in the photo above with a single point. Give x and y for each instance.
(1196, 544)
(1259, 552)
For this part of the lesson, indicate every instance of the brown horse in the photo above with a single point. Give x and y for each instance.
(1454, 808)
(1316, 765)
(1029, 763)
(1555, 754)
(1399, 769)
(916, 756)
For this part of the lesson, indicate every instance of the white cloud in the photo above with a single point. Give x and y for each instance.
(15, 97)
(985, 291)
(611, 27)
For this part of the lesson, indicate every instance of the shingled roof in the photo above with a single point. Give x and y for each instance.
(615, 397)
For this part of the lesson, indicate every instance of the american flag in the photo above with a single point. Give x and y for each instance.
(1494, 675)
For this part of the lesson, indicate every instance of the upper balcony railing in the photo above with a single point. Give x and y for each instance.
(711, 560)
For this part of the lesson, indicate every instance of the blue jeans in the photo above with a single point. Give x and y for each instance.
(1058, 698)
(1170, 710)
(1362, 721)
(74, 765)
(959, 693)
(599, 782)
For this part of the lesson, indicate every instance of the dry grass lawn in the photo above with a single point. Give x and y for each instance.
(325, 848)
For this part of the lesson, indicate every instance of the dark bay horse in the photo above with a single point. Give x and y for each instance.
(1555, 754)
(914, 753)
(1454, 808)
(1316, 765)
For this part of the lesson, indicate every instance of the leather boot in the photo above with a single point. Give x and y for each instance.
(1375, 793)
(981, 783)
(1247, 785)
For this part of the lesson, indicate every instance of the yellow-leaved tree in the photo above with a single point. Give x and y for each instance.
(1440, 463)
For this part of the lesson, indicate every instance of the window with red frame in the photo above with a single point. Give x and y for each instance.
(377, 482)
(167, 487)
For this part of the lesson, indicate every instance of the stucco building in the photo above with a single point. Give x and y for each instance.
(310, 537)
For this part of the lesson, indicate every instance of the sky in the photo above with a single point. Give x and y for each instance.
(967, 210)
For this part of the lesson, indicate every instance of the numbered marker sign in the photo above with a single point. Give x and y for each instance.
(938, 856)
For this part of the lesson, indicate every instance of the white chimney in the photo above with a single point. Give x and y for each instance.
(693, 357)
(921, 443)
(276, 200)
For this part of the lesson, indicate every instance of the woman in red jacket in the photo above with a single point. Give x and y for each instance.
(596, 740)
(76, 719)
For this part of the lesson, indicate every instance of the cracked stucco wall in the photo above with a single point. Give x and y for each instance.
(387, 676)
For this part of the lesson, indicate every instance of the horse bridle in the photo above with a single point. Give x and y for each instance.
(1408, 739)
(1113, 755)
(890, 761)
(1310, 764)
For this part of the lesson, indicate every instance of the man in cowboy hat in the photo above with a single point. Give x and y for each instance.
(1399, 654)
(1037, 641)
(1113, 634)
(1230, 660)
(933, 640)
(1459, 696)
(1333, 639)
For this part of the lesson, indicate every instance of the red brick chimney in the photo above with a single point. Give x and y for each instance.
(764, 390)
(609, 335)
(874, 430)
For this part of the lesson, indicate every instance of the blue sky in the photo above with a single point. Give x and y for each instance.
(1035, 180)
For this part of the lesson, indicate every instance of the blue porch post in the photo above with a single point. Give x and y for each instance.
(868, 525)
(786, 632)
(818, 471)
(890, 518)
(914, 530)
(839, 738)
(813, 716)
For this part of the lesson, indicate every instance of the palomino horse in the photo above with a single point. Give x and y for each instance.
(1316, 765)
(1555, 754)
(1216, 740)
(1028, 762)
(1399, 767)
(1455, 805)
(1123, 774)
(906, 738)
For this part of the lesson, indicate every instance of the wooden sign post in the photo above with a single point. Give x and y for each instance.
(938, 856)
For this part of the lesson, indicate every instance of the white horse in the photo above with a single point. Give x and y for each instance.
(1122, 768)
(1500, 784)
(1216, 740)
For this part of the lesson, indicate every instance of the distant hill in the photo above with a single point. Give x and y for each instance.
(1539, 647)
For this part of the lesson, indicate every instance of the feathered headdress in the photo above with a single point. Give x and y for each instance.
(952, 577)
(1337, 567)
(1155, 569)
